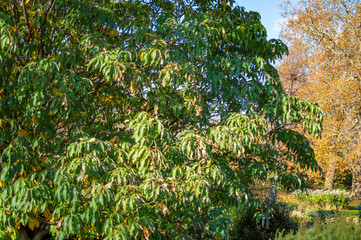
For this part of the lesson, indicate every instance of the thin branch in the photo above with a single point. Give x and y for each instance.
(42, 30)
(15, 10)
(27, 21)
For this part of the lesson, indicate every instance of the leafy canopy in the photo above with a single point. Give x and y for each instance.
(139, 118)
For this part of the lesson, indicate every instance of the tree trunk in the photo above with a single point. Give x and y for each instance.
(23, 234)
(41, 233)
(37, 234)
(273, 188)
(356, 179)
(330, 175)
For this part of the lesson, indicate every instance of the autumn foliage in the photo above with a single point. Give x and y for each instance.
(324, 64)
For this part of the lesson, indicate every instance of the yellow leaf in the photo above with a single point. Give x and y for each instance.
(85, 182)
(113, 33)
(33, 223)
(53, 219)
(131, 88)
(35, 210)
(142, 56)
(26, 2)
(146, 233)
(23, 133)
(32, 167)
(47, 214)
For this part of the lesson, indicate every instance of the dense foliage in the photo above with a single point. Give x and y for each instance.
(4, 236)
(140, 118)
(335, 199)
(278, 220)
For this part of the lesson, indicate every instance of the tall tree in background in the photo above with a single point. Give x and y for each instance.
(324, 65)
(139, 119)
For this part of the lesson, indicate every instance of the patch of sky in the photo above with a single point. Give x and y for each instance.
(270, 12)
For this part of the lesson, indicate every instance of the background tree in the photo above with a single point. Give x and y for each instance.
(140, 119)
(325, 36)
(299, 77)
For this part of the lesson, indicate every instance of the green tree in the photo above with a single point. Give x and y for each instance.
(140, 119)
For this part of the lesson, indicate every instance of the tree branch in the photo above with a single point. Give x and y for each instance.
(27, 21)
(42, 30)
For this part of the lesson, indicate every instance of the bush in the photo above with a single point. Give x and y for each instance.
(339, 227)
(335, 199)
(245, 225)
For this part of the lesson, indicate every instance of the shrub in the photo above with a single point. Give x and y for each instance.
(245, 225)
(335, 199)
(339, 227)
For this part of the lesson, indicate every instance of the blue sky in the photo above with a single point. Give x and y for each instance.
(270, 12)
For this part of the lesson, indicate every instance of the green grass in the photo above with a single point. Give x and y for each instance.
(339, 227)
(352, 209)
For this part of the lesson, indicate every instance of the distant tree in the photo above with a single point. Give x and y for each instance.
(299, 77)
(325, 38)
(139, 119)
